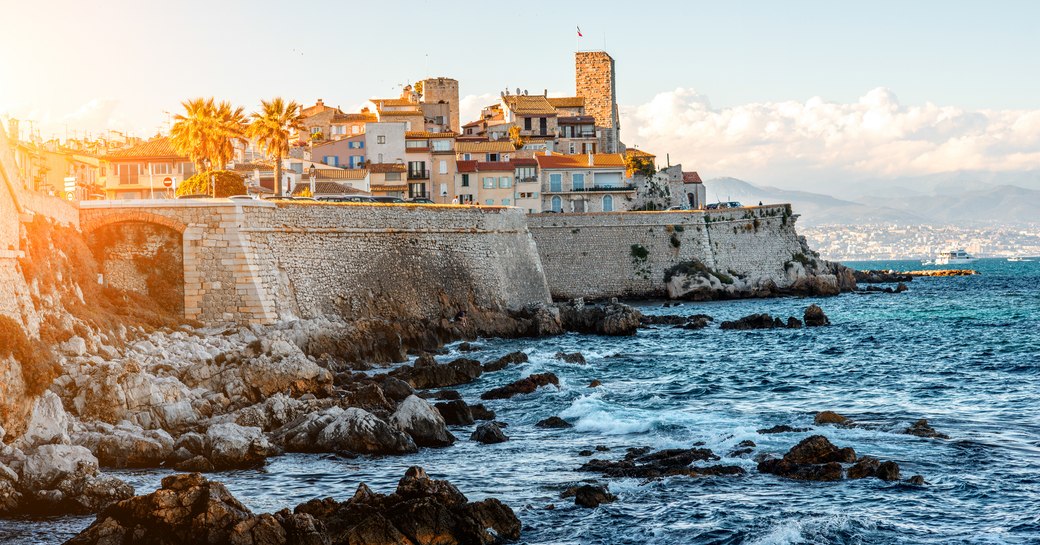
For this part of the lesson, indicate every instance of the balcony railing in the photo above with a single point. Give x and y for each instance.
(418, 175)
(526, 179)
(627, 187)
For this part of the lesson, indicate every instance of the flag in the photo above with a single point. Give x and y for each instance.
(579, 32)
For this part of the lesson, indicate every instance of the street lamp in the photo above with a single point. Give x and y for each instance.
(313, 172)
(212, 185)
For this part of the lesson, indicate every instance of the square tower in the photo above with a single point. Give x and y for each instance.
(594, 80)
(443, 91)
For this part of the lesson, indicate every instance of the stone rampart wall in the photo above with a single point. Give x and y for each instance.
(626, 254)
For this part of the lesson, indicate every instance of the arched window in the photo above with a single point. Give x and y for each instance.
(557, 204)
(608, 203)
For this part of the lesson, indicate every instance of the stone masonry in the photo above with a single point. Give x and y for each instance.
(595, 81)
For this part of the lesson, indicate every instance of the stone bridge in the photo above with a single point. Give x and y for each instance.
(242, 261)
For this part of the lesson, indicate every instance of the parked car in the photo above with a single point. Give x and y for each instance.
(722, 205)
(242, 198)
(421, 200)
(388, 199)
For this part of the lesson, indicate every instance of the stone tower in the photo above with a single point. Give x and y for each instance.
(594, 80)
(435, 90)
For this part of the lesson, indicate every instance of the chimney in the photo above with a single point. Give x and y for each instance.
(321, 102)
(591, 162)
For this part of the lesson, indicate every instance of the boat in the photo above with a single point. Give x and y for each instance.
(1018, 259)
(954, 257)
(928, 262)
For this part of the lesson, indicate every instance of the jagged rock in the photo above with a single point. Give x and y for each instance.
(232, 446)
(697, 321)
(753, 321)
(554, 422)
(605, 319)
(480, 412)
(416, 417)
(922, 429)
(574, 357)
(522, 386)
(793, 323)
(592, 496)
(642, 464)
(447, 395)
(336, 429)
(395, 389)
(781, 428)
(455, 412)
(489, 433)
(916, 480)
(195, 464)
(48, 423)
(125, 445)
(813, 459)
(830, 417)
(424, 375)
(866, 466)
(369, 396)
(513, 358)
(881, 277)
(63, 479)
(595, 383)
(469, 347)
(814, 317)
(75, 346)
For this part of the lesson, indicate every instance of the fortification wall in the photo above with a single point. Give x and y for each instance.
(394, 261)
(627, 254)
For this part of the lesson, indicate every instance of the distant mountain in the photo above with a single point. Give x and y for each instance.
(815, 208)
(954, 201)
(946, 183)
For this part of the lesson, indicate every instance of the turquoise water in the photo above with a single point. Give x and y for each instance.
(961, 352)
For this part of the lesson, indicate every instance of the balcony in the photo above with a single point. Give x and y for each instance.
(418, 175)
(600, 189)
(526, 179)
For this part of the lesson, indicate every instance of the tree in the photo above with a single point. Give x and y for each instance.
(515, 138)
(271, 127)
(228, 183)
(207, 131)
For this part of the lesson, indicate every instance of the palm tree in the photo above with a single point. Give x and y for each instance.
(229, 127)
(191, 135)
(271, 127)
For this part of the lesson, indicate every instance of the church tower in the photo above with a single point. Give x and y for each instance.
(594, 80)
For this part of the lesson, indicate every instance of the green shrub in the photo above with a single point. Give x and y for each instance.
(228, 183)
(639, 252)
(39, 367)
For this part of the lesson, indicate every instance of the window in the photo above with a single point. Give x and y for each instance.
(505, 202)
(128, 173)
(466, 157)
(557, 204)
(380, 139)
(578, 182)
(489, 202)
(439, 120)
(442, 167)
(608, 203)
(442, 145)
(505, 181)
(412, 144)
(162, 168)
(492, 157)
(417, 170)
(393, 176)
(331, 160)
(315, 130)
(527, 123)
(465, 180)
(525, 174)
(556, 182)
(354, 129)
(571, 148)
(489, 182)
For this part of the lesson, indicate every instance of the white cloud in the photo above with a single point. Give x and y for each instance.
(470, 106)
(799, 144)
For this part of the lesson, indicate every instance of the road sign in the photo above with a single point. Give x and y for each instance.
(70, 196)
(167, 181)
(70, 183)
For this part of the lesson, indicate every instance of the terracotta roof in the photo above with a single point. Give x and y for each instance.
(318, 108)
(599, 160)
(364, 117)
(495, 166)
(636, 152)
(391, 186)
(155, 148)
(328, 188)
(691, 178)
(338, 174)
(567, 102)
(466, 166)
(392, 102)
(484, 147)
(529, 105)
(382, 168)
(474, 123)
(383, 113)
(524, 162)
(424, 134)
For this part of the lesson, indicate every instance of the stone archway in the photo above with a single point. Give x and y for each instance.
(144, 257)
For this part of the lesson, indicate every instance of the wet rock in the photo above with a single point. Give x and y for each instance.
(455, 412)
(336, 429)
(888, 471)
(602, 448)
(605, 319)
(370, 397)
(416, 417)
(554, 422)
(231, 446)
(480, 412)
(743, 448)
(469, 347)
(813, 459)
(642, 464)
(195, 464)
(917, 480)
(697, 321)
(595, 384)
(793, 323)
(664, 319)
(424, 375)
(64, 479)
(746, 443)
(922, 429)
(866, 466)
(513, 358)
(830, 417)
(753, 321)
(126, 445)
(585, 452)
(814, 317)
(395, 389)
(447, 395)
(523, 386)
(592, 496)
(880, 277)
(489, 433)
(574, 357)
(781, 428)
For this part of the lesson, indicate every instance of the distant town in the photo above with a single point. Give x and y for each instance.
(527, 150)
(901, 241)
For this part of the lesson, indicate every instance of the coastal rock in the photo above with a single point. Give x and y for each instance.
(642, 464)
(611, 318)
(416, 417)
(595, 383)
(125, 445)
(455, 412)
(574, 357)
(868, 466)
(48, 423)
(489, 433)
(554, 422)
(881, 277)
(350, 430)
(426, 373)
(231, 446)
(522, 386)
(592, 496)
(815, 317)
(830, 417)
(781, 428)
(513, 358)
(63, 479)
(921, 428)
(753, 321)
(480, 412)
(813, 459)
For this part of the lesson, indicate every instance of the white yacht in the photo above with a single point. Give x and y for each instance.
(953, 257)
(1017, 259)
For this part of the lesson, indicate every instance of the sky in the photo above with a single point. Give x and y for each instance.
(785, 93)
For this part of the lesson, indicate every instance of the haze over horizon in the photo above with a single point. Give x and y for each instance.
(807, 96)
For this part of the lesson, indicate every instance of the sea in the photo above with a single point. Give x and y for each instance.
(961, 352)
